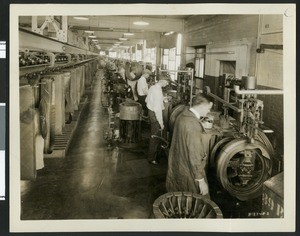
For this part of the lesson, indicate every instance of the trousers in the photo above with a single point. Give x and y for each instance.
(154, 143)
(141, 100)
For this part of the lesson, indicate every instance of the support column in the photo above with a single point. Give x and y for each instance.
(130, 53)
(144, 51)
(158, 56)
(136, 48)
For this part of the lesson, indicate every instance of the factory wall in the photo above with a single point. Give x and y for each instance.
(270, 76)
(226, 39)
(236, 38)
(222, 35)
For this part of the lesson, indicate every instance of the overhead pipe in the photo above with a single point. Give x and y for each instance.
(263, 92)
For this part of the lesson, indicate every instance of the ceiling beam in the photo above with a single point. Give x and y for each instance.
(156, 24)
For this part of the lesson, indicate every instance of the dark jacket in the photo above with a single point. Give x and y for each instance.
(188, 154)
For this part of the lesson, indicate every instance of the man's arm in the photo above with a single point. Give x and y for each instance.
(197, 156)
(159, 117)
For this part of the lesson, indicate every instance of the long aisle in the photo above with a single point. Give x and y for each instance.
(94, 182)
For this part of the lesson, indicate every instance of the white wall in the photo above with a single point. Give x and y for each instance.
(270, 63)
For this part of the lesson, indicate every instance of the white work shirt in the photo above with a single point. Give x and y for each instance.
(155, 102)
(142, 86)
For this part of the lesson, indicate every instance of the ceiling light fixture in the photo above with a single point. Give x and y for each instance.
(128, 34)
(93, 36)
(140, 22)
(89, 31)
(80, 18)
(123, 39)
(169, 33)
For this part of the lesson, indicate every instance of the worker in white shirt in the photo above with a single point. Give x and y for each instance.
(142, 90)
(155, 105)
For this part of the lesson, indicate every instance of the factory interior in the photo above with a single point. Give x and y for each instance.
(85, 135)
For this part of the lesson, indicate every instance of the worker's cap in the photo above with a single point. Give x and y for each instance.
(146, 71)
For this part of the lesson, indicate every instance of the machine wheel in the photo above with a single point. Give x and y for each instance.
(264, 139)
(216, 150)
(242, 167)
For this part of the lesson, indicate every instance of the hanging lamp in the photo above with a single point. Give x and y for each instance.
(128, 33)
(141, 22)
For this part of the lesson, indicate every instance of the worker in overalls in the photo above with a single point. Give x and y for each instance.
(189, 149)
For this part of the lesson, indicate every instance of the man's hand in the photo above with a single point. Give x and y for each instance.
(162, 126)
(203, 186)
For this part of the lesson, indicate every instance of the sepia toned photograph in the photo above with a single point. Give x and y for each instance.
(152, 117)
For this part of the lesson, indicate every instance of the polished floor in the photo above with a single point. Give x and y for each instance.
(95, 182)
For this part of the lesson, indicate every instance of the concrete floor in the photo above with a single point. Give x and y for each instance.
(97, 183)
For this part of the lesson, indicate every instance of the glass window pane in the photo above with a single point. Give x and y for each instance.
(199, 67)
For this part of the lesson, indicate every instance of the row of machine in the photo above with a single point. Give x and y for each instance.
(51, 92)
(52, 87)
(241, 154)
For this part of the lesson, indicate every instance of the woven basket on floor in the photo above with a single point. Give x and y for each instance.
(185, 205)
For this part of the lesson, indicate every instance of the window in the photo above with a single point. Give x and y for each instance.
(171, 57)
(199, 67)
(112, 54)
(150, 56)
(138, 55)
(199, 62)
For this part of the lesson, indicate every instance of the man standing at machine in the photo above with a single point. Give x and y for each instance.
(142, 90)
(189, 148)
(155, 105)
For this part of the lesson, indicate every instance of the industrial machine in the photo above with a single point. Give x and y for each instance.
(242, 153)
(130, 123)
(52, 83)
(242, 156)
(124, 114)
(114, 88)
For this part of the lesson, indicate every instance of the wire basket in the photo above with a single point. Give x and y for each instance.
(185, 205)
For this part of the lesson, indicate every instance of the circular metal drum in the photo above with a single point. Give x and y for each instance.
(130, 110)
(130, 123)
(264, 139)
(249, 82)
(185, 205)
(216, 149)
(242, 167)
